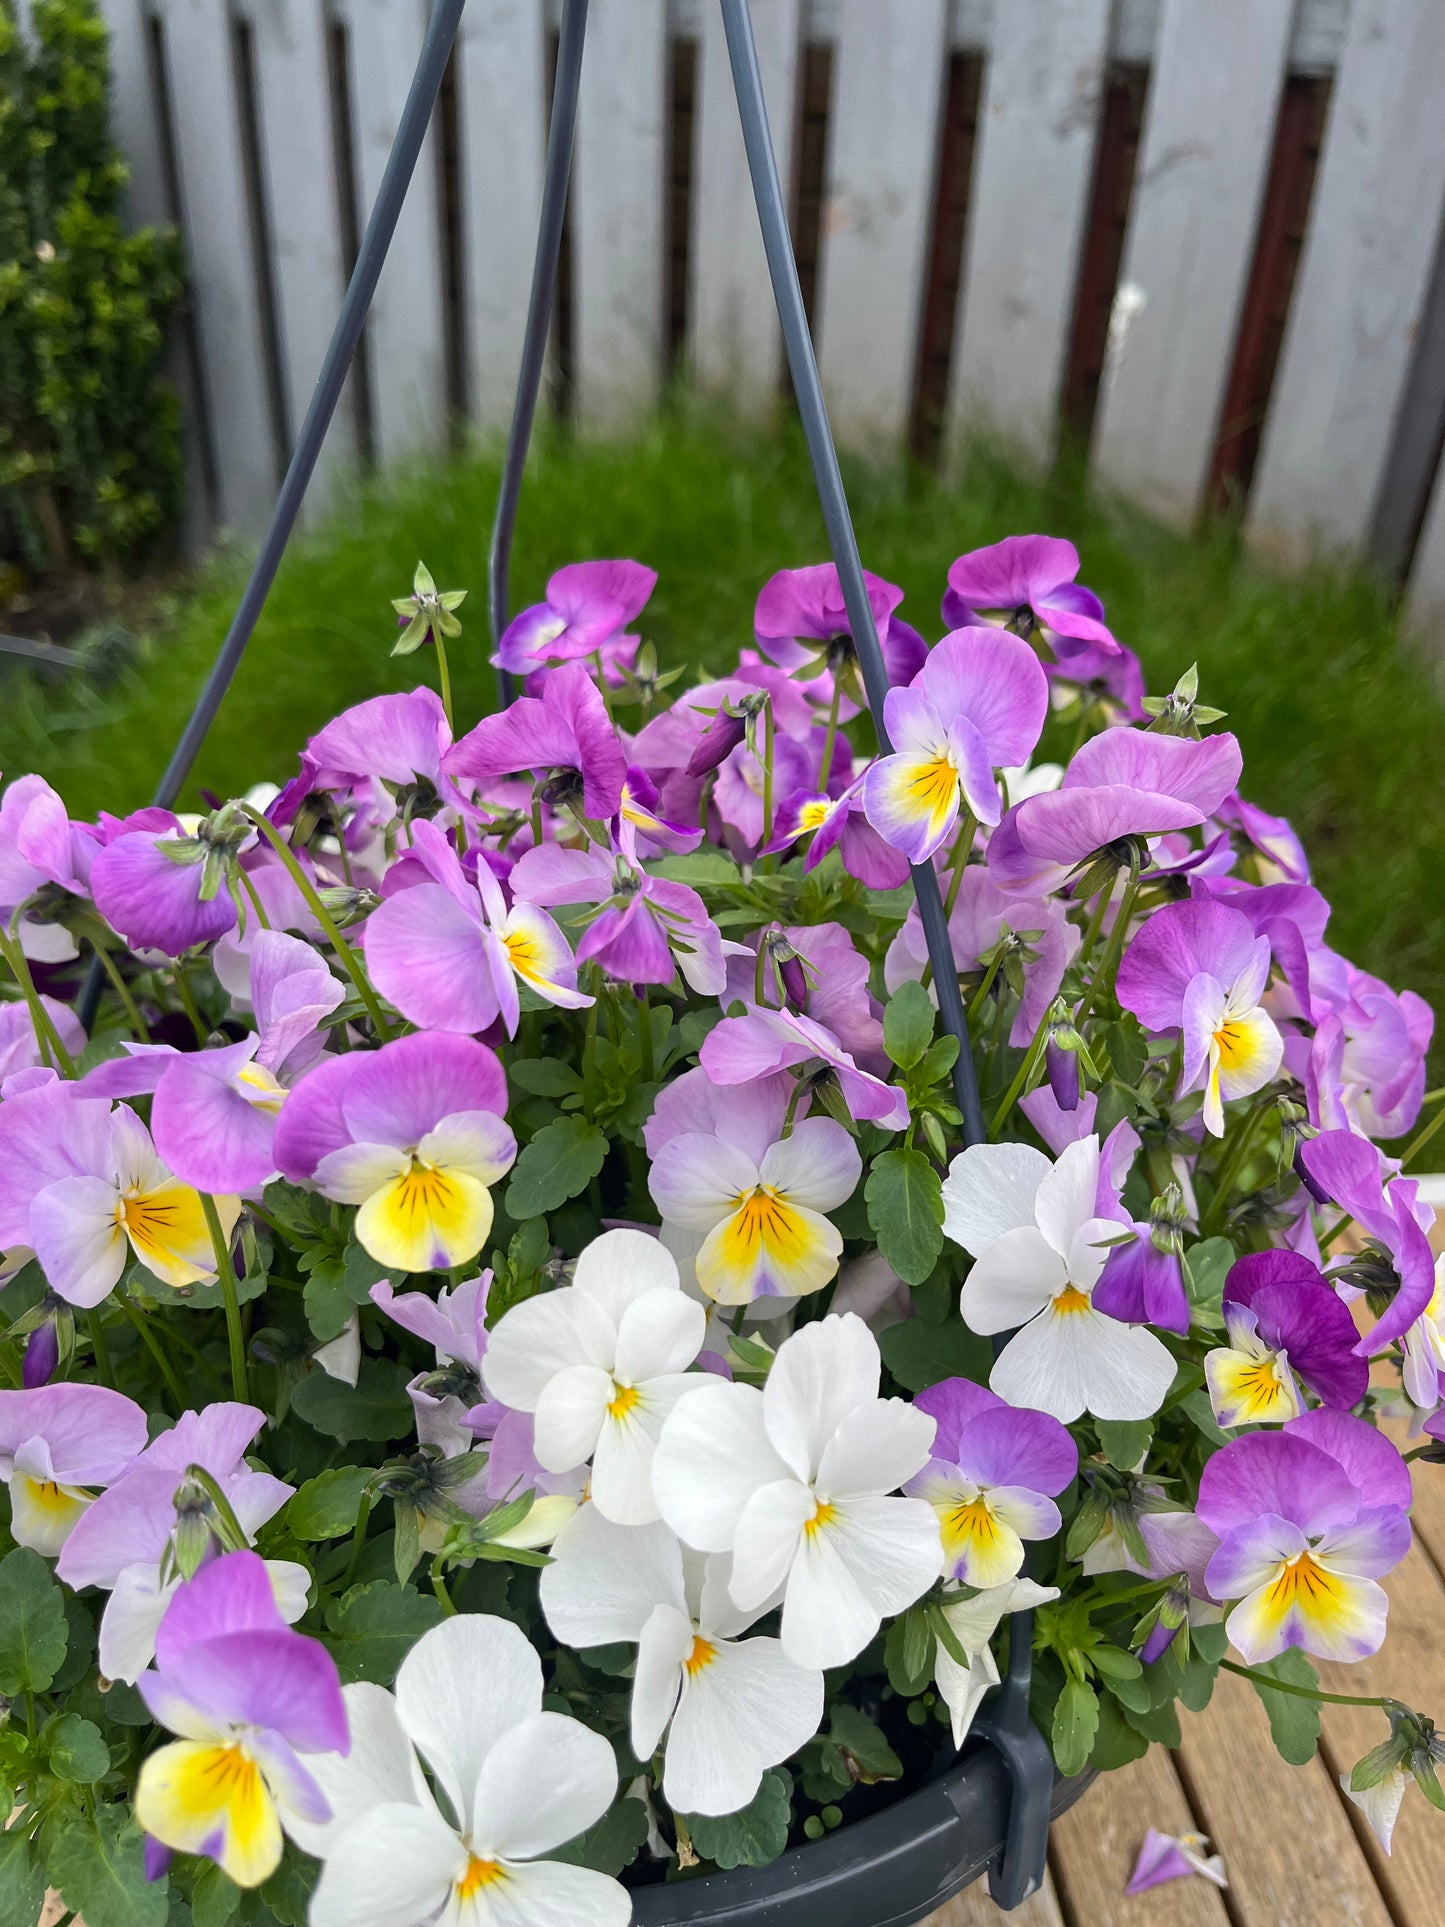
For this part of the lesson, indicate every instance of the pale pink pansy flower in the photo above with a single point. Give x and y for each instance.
(56, 1442)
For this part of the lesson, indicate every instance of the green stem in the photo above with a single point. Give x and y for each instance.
(1095, 923)
(122, 990)
(358, 1542)
(1108, 968)
(1422, 1138)
(444, 674)
(323, 916)
(1016, 1090)
(226, 1273)
(644, 1024)
(46, 1035)
(980, 996)
(189, 1004)
(1301, 1692)
(256, 904)
(157, 1352)
(439, 1587)
(95, 1325)
(826, 766)
(1229, 1167)
(768, 734)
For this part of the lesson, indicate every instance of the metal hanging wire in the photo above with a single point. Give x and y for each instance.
(1005, 1722)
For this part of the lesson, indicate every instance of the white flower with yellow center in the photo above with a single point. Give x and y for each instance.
(1038, 1251)
(600, 1364)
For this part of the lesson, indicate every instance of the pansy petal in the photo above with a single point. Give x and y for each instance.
(77, 1239)
(990, 1189)
(713, 1454)
(199, 1796)
(745, 1707)
(391, 1868)
(820, 1377)
(543, 1782)
(463, 1685)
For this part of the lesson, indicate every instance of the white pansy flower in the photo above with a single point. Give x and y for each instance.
(520, 1783)
(973, 1620)
(794, 1482)
(1038, 1250)
(730, 1707)
(600, 1364)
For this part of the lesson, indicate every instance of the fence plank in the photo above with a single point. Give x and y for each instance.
(1424, 611)
(502, 137)
(1208, 132)
(1361, 287)
(297, 155)
(1037, 134)
(216, 222)
(405, 340)
(134, 121)
(732, 323)
(617, 204)
(882, 167)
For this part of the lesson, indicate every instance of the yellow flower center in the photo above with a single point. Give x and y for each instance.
(1304, 1582)
(971, 1523)
(823, 1515)
(812, 816)
(522, 953)
(477, 1874)
(1071, 1299)
(763, 1217)
(1232, 1041)
(627, 1397)
(703, 1654)
(260, 1088)
(933, 786)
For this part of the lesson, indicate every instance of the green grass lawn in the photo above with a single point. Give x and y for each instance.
(1340, 731)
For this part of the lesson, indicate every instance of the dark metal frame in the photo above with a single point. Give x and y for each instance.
(1005, 1721)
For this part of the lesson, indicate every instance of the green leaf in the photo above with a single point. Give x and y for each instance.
(287, 1894)
(918, 1354)
(864, 1743)
(372, 1628)
(1200, 1413)
(905, 1209)
(1159, 1724)
(326, 1506)
(545, 1077)
(1076, 1723)
(376, 1408)
(214, 1898)
(1124, 1441)
(752, 1837)
(361, 1271)
(32, 1624)
(908, 1025)
(99, 1867)
(22, 1882)
(1113, 1662)
(612, 1844)
(562, 1159)
(77, 1750)
(908, 1652)
(1128, 1049)
(1294, 1723)
(1116, 1743)
(328, 1304)
(79, 1645)
(1205, 1268)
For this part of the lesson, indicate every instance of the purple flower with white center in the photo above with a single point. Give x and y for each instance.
(983, 917)
(641, 802)
(978, 704)
(1293, 917)
(816, 969)
(125, 1542)
(1397, 1268)
(564, 737)
(1198, 968)
(801, 618)
(1366, 1069)
(1026, 583)
(38, 848)
(1286, 1329)
(1168, 1856)
(447, 951)
(993, 1478)
(56, 1442)
(170, 891)
(587, 606)
(1309, 1520)
(740, 1049)
(838, 822)
(414, 1135)
(648, 929)
(450, 1409)
(1123, 783)
(249, 1699)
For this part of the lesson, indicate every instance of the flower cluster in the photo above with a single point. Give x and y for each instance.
(511, 1360)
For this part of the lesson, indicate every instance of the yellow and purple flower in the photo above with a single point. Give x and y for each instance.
(1287, 1330)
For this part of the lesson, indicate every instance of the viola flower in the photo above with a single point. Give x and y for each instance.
(1167, 1856)
(640, 805)
(1366, 1066)
(766, 1232)
(992, 1480)
(398, 740)
(564, 737)
(794, 1481)
(740, 1049)
(730, 1707)
(1279, 855)
(84, 1228)
(40, 850)
(1422, 1365)
(513, 1470)
(738, 787)
(170, 890)
(449, 954)
(20, 1048)
(600, 1364)
(1397, 1267)
(1122, 783)
(973, 1620)
(520, 1783)
(126, 1542)
(1108, 684)
(648, 929)
(817, 970)
(838, 822)
(1198, 968)
(977, 704)
(1026, 583)
(588, 605)
(1309, 1520)
(1286, 1328)
(251, 1701)
(802, 623)
(413, 1134)
(55, 1442)
(1039, 1248)
(47, 1132)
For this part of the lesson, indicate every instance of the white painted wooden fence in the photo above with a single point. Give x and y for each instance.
(262, 126)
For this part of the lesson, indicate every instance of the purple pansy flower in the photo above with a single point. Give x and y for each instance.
(447, 951)
(1309, 1520)
(20, 1048)
(1143, 1282)
(1397, 1269)
(564, 736)
(588, 604)
(741, 1048)
(1123, 783)
(824, 976)
(450, 1410)
(39, 846)
(800, 615)
(1280, 855)
(993, 1478)
(1366, 1068)
(55, 1442)
(978, 704)
(159, 901)
(1168, 1856)
(250, 1699)
(640, 806)
(395, 739)
(1026, 582)
(838, 822)
(1286, 1328)
(740, 782)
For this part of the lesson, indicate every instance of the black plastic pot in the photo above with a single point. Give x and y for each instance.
(890, 1870)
